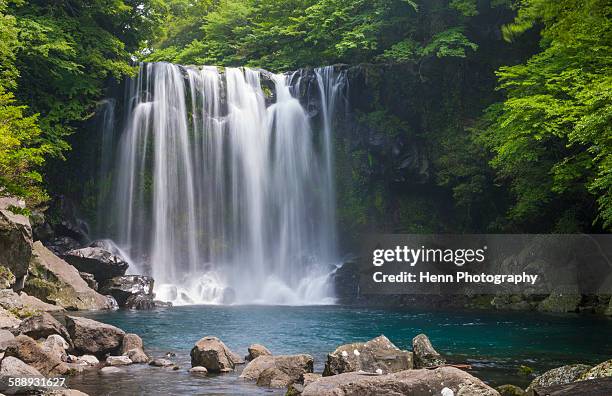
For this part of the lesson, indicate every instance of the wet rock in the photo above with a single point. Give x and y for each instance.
(118, 361)
(140, 302)
(160, 362)
(602, 370)
(126, 286)
(162, 304)
(65, 392)
(28, 351)
(278, 371)
(407, 382)
(55, 281)
(558, 376)
(210, 352)
(110, 370)
(510, 390)
(198, 370)
(90, 280)
(257, 350)
(97, 261)
(376, 354)
(42, 326)
(15, 237)
(93, 337)
(131, 341)
(137, 355)
(88, 359)
(424, 353)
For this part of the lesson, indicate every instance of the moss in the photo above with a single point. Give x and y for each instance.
(23, 313)
(524, 370)
(6, 277)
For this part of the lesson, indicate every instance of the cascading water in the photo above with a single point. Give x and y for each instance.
(224, 185)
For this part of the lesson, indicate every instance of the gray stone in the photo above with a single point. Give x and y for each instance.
(88, 359)
(55, 281)
(126, 286)
(559, 376)
(42, 326)
(118, 361)
(15, 237)
(110, 370)
(57, 346)
(28, 351)
(137, 355)
(101, 263)
(89, 279)
(210, 352)
(160, 362)
(131, 341)
(424, 353)
(140, 302)
(407, 382)
(8, 320)
(376, 355)
(277, 371)
(257, 350)
(13, 367)
(198, 370)
(5, 337)
(93, 337)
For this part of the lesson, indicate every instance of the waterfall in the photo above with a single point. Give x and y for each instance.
(224, 184)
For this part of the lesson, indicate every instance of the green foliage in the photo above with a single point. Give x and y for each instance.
(288, 34)
(552, 136)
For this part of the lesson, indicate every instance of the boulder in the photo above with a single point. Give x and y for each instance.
(602, 370)
(257, 350)
(97, 261)
(198, 370)
(93, 337)
(15, 237)
(592, 387)
(28, 351)
(7, 279)
(123, 287)
(137, 355)
(62, 244)
(421, 382)
(376, 354)
(65, 392)
(88, 359)
(562, 299)
(35, 304)
(559, 376)
(160, 362)
(118, 361)
(57, 346)
(5, 337)
(424, 353)
(42, 326)
(140, 302)
(89, 279)
(55, 281)
(8, 320)
(131, 341)
(277, 371)
(13, 367)
(211, 352)
(110, 370)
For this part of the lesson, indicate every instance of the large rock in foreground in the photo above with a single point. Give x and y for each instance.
(27, 350)
(559, 376)
(97, 261)
(592, 387)
(15, 237)
(42, 326)
(424, 353)
(211, 352)
(93, 337)
(55, 281)
(277, 371)
(421, 382)
(377, 354)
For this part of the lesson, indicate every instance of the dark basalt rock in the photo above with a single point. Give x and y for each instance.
(89, 278)
(140, 301)
(126, 286)
(101, 263)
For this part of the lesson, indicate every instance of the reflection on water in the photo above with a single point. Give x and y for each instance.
(495, 344)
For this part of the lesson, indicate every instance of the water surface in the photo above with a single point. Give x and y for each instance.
(494, 343)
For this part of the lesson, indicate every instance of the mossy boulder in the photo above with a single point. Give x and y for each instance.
(559, 376)
(510, 390)
(602, 370)
(561, 301)
(7, 279)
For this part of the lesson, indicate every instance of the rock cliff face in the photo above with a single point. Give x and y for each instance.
(15, 238)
